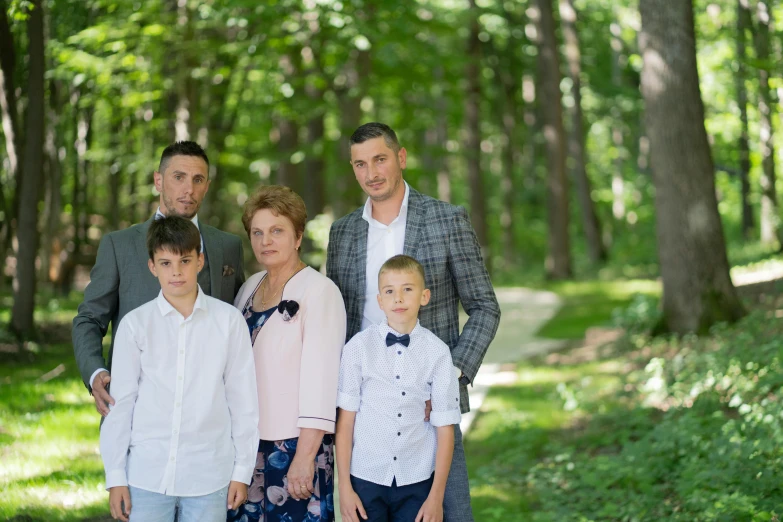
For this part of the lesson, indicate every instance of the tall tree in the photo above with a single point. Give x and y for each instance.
(478, 209)
(10, 126)
(32, 170)
(769, 221)
(743, 24)
(576, 138)
(558, 263)
(697, 289)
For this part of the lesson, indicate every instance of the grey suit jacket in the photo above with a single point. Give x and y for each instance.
(441, 238)
(121, 281)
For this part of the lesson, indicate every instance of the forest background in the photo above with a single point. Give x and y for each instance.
(543, 117)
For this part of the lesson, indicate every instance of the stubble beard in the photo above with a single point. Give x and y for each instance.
(171, 210)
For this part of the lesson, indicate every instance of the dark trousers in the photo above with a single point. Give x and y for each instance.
(391, 503)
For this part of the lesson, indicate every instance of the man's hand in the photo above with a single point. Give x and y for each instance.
(119, 501)
(237, 494)
(100, 393)
(350, 504)
(431, 511)
(427, 409)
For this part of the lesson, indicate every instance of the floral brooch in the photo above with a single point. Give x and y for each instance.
(288, 309)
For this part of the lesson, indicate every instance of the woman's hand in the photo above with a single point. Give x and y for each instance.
(300, 477)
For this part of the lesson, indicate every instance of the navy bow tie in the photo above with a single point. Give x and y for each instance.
(392, 339)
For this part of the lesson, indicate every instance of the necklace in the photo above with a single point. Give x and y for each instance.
(264, 300)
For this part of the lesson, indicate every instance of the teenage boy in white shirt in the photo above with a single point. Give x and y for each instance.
(182, 434)
(386, 372)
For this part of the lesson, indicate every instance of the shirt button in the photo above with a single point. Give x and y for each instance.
(399, 353)
(399, 433)
(398, 376)
(179, 378)
(172, 459)
(174, 432)
(399, 414)
(395, 458)
(182, 351)
(403, 393)
(178, 404)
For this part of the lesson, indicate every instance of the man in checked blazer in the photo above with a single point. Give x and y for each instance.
(399, 220)
(121, 281)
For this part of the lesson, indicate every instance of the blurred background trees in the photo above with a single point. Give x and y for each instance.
(529, 113)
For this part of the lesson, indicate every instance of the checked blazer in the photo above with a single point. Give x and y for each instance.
(441, 238)
(121, 281)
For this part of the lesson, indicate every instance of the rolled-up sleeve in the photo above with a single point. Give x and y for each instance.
(324, 325)
(445, 392)
(349, 389)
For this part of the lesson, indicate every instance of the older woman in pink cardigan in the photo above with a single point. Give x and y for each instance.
(297, 323)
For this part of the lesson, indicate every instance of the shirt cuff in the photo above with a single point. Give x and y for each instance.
(116, 478)
(347, 402)
(316, 424)
(95, 374)
(444, 418)
(242, 474)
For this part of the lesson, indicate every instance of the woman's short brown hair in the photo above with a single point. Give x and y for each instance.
(282, 201)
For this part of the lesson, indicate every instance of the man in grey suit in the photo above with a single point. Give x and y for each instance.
(399, 220)
(121, 280)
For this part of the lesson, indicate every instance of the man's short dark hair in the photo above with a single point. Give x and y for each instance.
(182, 148)
(372, 130)
(175, 234)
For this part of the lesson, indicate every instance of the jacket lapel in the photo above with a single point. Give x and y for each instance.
(359, 263)
(214, 250)
(414, 224)
(141, 240)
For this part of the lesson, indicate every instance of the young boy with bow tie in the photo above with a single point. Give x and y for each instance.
(398, 464)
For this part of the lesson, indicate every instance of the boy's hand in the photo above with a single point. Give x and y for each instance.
(427, 410)
(237, 494)
(431, 511)
(350, 504)
(119, 498)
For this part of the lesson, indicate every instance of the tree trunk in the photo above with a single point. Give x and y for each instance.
(769, 222)
(53, 246)
(478, 209)
(313, 188)
(618, 183)
(576, 142)
(11, 132)
(558, 263)
(287, 172)
(743, 24)
(27, 230)
(697, 289)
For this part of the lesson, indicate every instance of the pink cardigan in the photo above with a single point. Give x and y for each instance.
(298, 362)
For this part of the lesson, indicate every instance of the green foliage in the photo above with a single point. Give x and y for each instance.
(681, 429)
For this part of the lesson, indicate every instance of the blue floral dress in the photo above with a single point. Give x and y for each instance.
(267, 497)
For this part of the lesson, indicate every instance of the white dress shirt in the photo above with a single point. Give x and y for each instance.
(158, 215)
(186, 412)
(387, 387)
(383, 242)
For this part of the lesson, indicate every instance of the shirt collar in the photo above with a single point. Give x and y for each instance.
(194, 220)
(367, 214)
(386, 329)
(165, 307)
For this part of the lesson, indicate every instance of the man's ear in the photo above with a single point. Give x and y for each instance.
(151, 265)
(425, 296)
(402, 156)
(158, 179)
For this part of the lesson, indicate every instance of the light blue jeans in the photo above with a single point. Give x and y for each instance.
(147, 506)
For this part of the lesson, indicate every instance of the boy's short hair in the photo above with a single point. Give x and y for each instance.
(402, 263)
(175, 234)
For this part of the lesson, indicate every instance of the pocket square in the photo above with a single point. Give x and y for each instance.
(228, 270)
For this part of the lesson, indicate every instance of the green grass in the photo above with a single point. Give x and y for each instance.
(50, 467)
(591, 303)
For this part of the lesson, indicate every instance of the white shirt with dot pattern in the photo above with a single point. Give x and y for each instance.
(387, 387)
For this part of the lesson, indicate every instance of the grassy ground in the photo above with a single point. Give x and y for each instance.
(610, 433)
